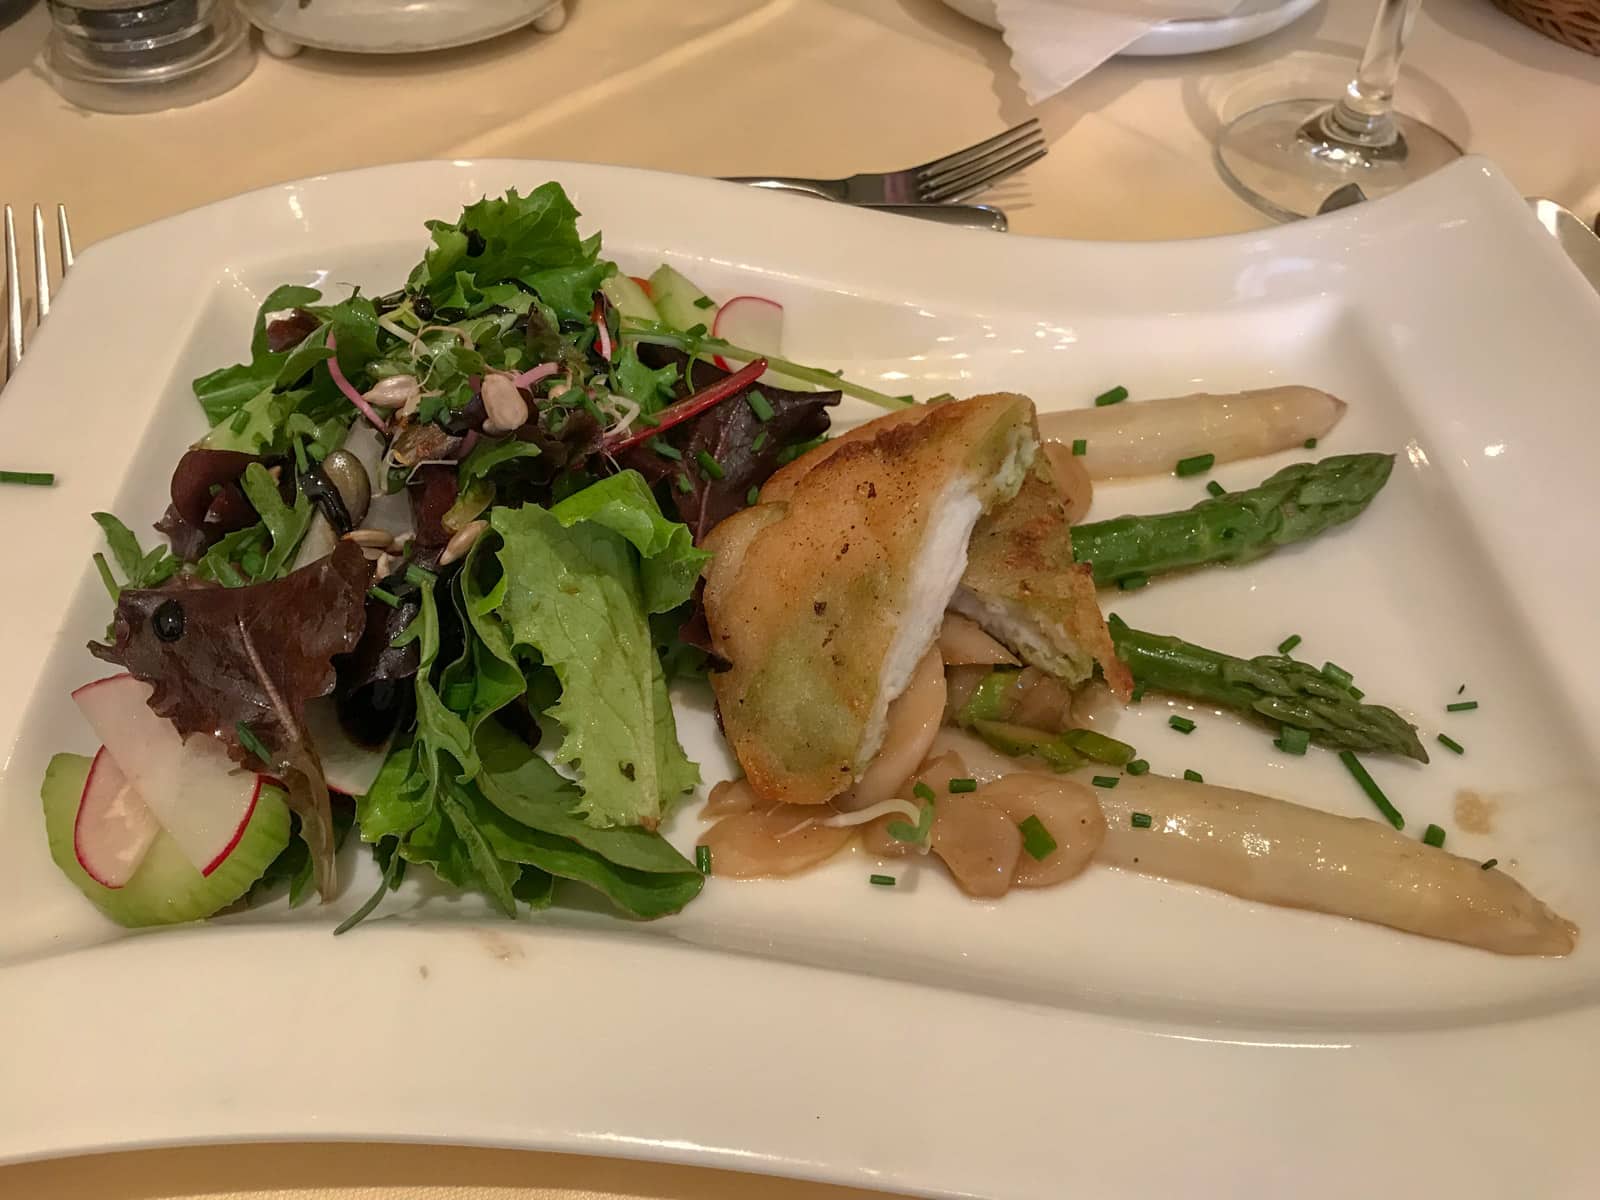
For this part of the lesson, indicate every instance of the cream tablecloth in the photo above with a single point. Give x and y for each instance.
(723, 87)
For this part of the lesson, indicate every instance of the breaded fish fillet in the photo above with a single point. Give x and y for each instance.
(1023, 587)
(824, 596)
(1021, 583)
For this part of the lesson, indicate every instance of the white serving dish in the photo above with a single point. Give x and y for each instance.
(1114, 1037)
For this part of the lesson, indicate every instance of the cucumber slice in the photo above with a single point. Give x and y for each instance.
(681, 304)
(628, 298)
(166, 889)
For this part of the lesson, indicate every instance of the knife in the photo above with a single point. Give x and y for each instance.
(1580, 242)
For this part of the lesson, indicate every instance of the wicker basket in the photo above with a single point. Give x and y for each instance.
(1574, 23)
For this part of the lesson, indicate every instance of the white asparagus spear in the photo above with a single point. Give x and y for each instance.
(1149, 437)
(1260, 848)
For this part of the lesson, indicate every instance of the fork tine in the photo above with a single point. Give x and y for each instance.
(962, 157)
(934, 179)
(13, 299)
(970, 184)
(41, 265)
(65, 231)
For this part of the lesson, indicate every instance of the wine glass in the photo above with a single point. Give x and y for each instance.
(1288, 157)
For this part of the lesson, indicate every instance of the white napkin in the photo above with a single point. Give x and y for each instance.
(1055, 42)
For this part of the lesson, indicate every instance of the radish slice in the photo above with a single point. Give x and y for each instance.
(751, 322)
(200, 797)
(114, 827)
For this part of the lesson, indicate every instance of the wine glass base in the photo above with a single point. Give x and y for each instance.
(1282, 158)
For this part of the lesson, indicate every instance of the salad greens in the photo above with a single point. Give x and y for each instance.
(508, 626)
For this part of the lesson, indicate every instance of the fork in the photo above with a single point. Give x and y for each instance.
(41, 278)
(944, 180)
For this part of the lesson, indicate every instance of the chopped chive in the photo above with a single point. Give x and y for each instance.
(1489, 864)
(908, 398)
(1137, 767)
(761, 440)
(1181, 724)
(1461, 689)
(704, 302)
(389, 598)
(1461, 706)
(1449, 743)
(1215, 488)
(684, 485)
(1132, 583)
(1311, 443)
(922, 791)
(1193, 776)
(1138, 694)
(1197, 464)
(1115, 396)
(1371, 788)
(941, 398)
(753, 496)
(420, 576)
(962, 785)
(702, 859)
(1292, 740)
(1080, 446)
(758, 405)
(1036, 839)
(665, 449)
(1105, 781)
(1337, 674)
(881, 880)
(106, 577)
(696, 331)
(1289, 643)
(1356, 692)
(252, 743)
(1141, 820)
(709, 465)
(32, 478)
(1433, 835)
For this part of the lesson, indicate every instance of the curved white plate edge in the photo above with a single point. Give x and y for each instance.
(1370, 215)
(1146, 1083)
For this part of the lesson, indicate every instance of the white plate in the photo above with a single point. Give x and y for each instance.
(1191, 35)
(1116, 1036)
(384, 27)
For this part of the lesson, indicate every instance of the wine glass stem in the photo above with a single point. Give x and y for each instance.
(1364, 114)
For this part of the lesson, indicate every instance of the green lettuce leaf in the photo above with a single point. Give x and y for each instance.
(576, 593)
(624, 504)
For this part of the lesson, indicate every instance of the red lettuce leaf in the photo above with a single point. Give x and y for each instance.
(207, 501)
(730, 433)
(250, 657)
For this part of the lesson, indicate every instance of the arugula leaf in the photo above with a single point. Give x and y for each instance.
(284, 524)
(223, 392)
(245, 547)
(139, 569)
(487, 455)
(651, 388)
(574, 594)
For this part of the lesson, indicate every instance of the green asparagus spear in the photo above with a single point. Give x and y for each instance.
(1284, 691)
(1297, 503)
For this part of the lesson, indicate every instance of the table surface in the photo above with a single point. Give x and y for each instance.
(820, 87)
